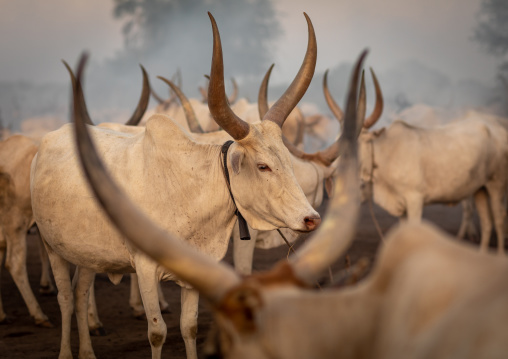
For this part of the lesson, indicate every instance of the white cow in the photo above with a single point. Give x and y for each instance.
(16, 154)
(404, 167)
(427, 296)
(180, 184)
(310, 172)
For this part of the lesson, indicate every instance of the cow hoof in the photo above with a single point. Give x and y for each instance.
(47, 291)
(7, 320)
(44, 324)
(98, 332)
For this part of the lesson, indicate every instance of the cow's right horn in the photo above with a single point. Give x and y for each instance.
(210, 278)
(334, 107)
(217, 100)
(378, 108)
(289, 99)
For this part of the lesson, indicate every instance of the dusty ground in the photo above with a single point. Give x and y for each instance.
(127, 337)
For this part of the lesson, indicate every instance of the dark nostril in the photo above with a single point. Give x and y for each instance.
(312, 223)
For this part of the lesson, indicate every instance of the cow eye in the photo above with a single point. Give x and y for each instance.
(264, 168)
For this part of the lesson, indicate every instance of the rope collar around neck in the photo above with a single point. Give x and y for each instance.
(242, 224)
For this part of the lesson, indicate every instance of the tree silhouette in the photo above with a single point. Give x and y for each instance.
(492, 28)
(180, 30)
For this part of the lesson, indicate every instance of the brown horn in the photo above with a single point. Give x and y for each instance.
(210, 278)
(263, 94)
(234, 95)
(287, 102)
(362, 106)
(156, 97)
(217, 100)
(192, 120)
(336, 233)
(86, 116)
(334, 107)
(143, 101)
(332, 152)
(378, 109)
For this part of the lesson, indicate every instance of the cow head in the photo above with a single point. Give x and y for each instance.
(262, 180)
(366, 137)
(244, 310)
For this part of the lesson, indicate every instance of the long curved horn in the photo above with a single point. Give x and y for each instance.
(159, 99)
(263, 94)
(234, 95)
(143, 101)
(362, 106)
(287, 102)
(86, 116)
(337, 230)
(190, 115)
(210, 278)
(332, 152)
(378, 109)
(217, 100)
(204, 90)
(334, 107)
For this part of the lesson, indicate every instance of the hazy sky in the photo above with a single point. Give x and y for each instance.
(35, 35)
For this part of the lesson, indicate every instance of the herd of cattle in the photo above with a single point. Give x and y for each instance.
(159, 198)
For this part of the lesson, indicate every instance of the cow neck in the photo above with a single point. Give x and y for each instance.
(242, 224)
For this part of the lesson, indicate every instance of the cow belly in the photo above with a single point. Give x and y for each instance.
(101, 253)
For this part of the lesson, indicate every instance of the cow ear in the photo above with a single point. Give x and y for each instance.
(329, 186)
(236, 158)
(379, 132)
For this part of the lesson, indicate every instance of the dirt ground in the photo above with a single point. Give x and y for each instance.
(127, 337)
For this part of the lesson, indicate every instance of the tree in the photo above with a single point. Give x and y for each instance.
(179, 32)
(492, 28)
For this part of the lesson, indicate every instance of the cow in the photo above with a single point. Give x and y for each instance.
(163, 168)
(404, 167)
(428, 296)
(16, 154)
(310, 172)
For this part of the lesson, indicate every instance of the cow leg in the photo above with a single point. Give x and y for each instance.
(482, 207)
(135, 298)
(15, 262)
(65, 298)
(243, 251)
(163, 304)
(414, 207)
(46, 285)
(3, 316)
(95, 326)
(189, 320)
(85, 279)
(498, 212)
(148, 280)
(467, 227)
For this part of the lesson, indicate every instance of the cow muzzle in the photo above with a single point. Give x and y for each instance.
(311, 222)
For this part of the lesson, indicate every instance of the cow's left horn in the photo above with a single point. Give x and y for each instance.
(217, 100)
(287, 102)
(143, 101)
(210, 278)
